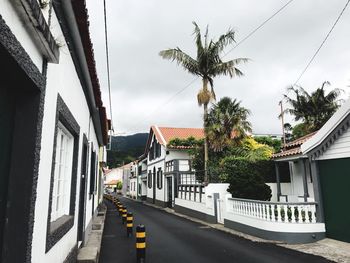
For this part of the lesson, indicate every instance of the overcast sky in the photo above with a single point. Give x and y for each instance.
(143, 84)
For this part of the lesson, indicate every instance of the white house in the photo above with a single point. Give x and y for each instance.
(168, 167)
(53, 125)
(329, 154)
(112, 177)
(142, 177)
(293, 171)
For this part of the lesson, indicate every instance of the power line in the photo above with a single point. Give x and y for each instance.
(260, 26)
(107, 60)
(238, 44)
(324, 40)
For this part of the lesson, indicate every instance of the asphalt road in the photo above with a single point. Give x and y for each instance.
(171, 239)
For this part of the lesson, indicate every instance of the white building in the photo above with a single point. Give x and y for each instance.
(168, 168)
(112, 177)
(53, 125)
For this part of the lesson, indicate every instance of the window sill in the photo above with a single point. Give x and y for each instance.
(57, 229)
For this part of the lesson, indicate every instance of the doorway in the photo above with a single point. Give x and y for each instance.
(154, 185)
(21, 111)
(82, 193)
(170, 191)
(7, 112)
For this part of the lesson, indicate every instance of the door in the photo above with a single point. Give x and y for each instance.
(170, 191)
(335, 189)
(154, 185)
(82, 193)
(7, 109)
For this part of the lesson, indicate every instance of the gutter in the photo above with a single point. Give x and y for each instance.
(64, 11)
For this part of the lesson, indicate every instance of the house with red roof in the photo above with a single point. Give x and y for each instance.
(53, 131)
(293, 175)
(168, 168)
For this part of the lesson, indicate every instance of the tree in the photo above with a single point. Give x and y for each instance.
(227, 120)
(207, 66)
(313, 109)
(268, 140)
(245, 178)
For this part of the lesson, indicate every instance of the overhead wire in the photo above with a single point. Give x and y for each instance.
(238, 44)
(318, 49)
(107, 64)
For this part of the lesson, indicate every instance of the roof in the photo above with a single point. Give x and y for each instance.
(329, 132)
(82, 19)
(165, 134)
(293, 148)
(112, 182)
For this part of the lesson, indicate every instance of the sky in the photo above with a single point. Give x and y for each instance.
(146, 89)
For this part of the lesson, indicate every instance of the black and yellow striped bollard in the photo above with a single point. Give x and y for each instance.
(129, 224)
(140, 243)
(124, 215)
(120, 209)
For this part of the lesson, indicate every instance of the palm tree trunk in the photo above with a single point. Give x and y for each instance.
(206, 158)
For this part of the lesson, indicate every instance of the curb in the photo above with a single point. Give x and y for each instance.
(91, 251)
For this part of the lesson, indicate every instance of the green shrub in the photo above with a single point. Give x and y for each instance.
(245, 179)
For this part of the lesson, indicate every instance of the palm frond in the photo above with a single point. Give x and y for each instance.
(181, 58)
(228, 68)
(224, 40)
(198, 39)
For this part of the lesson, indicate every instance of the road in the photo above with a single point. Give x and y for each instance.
(173, 239)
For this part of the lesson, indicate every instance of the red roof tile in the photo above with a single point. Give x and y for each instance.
(293, 147)
(112, 182)
(166, 134)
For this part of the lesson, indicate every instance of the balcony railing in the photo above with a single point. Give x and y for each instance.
(295, 213)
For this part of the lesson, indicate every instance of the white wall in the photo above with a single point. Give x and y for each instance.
(61, 78)
(285, 189)
(114, 174)
(339, 149)
(21, 30)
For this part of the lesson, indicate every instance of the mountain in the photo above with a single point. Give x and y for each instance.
(125, 149)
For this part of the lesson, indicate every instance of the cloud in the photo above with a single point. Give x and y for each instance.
(143, 83)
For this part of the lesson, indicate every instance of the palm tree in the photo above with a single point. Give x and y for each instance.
(227, 121)
(313, 109)
(207, 65)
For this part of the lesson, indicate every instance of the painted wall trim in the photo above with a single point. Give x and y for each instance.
(193, 213)
(56, 230)
(9, 41)
(31, 12)
(288, 237)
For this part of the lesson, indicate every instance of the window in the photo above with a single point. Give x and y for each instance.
(93, 174)
(149, 179)
(63, 179)
(159, 178)
(62, 173)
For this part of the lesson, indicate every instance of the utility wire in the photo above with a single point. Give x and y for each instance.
(260, 26)
(108, 70)
(324, 40)
(238, 44)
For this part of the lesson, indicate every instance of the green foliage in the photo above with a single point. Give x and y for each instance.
(300, 130)
(189, 142)
(245, 178)
(267, 140)
(119, 185)
(314, 109)
(225, 119)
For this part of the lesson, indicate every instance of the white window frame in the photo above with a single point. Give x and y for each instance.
(63, 173)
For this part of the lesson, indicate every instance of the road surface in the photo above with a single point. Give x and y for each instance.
(172, 239)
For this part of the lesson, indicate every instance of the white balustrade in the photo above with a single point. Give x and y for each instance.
(294, 213)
